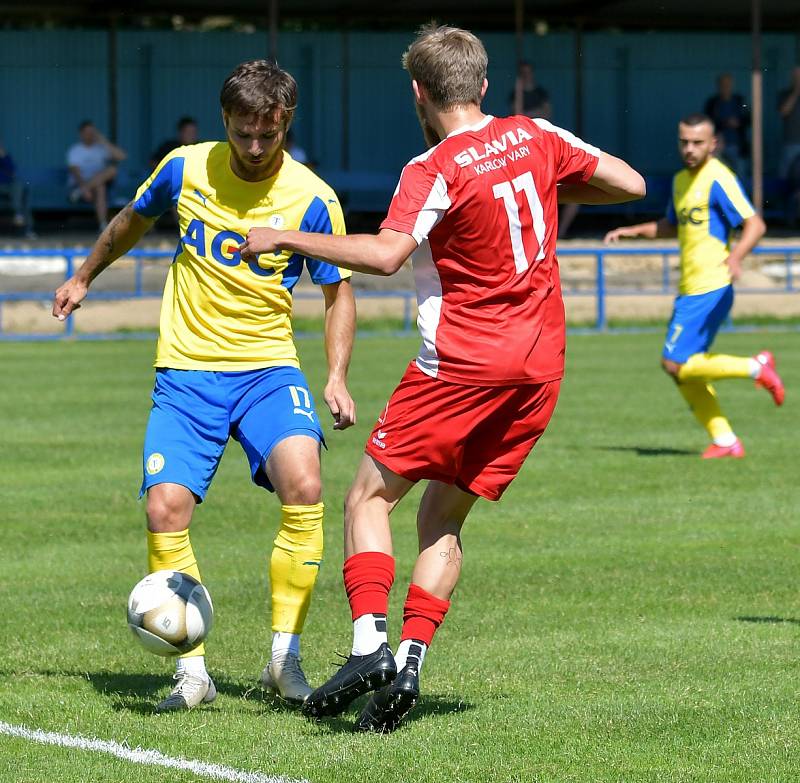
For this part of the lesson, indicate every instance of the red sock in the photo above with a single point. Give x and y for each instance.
(423, 613)
(368, 578)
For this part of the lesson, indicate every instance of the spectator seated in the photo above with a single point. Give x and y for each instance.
(50, 192)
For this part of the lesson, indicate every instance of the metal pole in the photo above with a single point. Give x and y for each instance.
(757, 129)
(601, 324)
(146, 92)
(69, 323)
(579, 77)
(345, 83)
(113, 103)
(138, 274)
(273, 30)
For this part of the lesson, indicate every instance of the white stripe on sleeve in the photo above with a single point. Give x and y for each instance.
(437, 203)
(570, 138)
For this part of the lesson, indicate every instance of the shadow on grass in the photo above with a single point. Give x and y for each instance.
(141, 692)
(774, 620)
(429, 704)
(646, 451)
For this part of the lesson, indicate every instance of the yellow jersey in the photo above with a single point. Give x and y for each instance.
(218, 312)
(706, 205)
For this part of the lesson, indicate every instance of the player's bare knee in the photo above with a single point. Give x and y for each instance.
(305, 490)
(166, 513)
(670, 367)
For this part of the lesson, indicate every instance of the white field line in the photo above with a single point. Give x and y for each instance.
(142, 756)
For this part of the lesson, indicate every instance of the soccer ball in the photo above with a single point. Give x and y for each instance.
(170, 612)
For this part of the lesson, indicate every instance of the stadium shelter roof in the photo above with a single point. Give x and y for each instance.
(521, 16)
(782, 15)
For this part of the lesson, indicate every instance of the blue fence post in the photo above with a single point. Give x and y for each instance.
(69, 323)
(665, 272)
(601, 324)
(137, 271)
(407, 312)
(789, 278)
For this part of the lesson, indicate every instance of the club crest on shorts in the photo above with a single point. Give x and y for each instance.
(154, 464)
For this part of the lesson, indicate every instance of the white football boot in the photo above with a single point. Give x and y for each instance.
(190, 691)
(284, 676)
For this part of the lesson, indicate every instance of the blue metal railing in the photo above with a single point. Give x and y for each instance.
(140, 292)
(600, 289)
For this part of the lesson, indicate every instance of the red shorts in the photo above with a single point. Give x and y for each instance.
(475, 437)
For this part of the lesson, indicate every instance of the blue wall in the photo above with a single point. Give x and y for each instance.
(635, 87)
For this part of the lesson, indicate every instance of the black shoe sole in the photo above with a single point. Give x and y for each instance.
(336, 702)
(389, 716)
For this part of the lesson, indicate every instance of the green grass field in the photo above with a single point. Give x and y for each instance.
(627, 612)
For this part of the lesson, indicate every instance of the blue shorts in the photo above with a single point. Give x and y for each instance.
(695, 322)
(196, 411)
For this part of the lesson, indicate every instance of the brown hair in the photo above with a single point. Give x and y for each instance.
(697, 118)
(449, 63)
(262, 88)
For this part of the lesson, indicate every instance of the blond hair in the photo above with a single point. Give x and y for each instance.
(449, 63)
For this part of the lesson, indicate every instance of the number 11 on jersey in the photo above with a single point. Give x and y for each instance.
(506, 191)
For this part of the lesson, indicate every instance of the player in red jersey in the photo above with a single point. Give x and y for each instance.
(478, 214)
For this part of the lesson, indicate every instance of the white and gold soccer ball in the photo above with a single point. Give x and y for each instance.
(170, 612)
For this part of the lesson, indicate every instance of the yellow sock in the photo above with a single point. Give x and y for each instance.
(716, 366)
(702, 400)
(173, 551)
(294, 565)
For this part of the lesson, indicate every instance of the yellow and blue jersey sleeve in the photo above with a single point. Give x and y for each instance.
(728, 206)
(324, 216)
(671, 215)
(162, 188)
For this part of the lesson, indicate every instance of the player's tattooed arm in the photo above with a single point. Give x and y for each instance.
(122, 233)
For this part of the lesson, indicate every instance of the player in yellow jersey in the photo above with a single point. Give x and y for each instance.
(707, 204)
(226, 364)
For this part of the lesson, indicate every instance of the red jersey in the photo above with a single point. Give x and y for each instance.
(482, 207)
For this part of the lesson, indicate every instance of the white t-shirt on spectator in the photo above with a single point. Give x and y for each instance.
(88, 159)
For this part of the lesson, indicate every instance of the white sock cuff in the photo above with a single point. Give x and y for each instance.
(369, 633)
(725, 441)
(196, 665)
(284, 642)
(410, 649)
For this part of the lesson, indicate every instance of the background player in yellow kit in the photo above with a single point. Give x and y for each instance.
(226, 364)
(707, 204)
